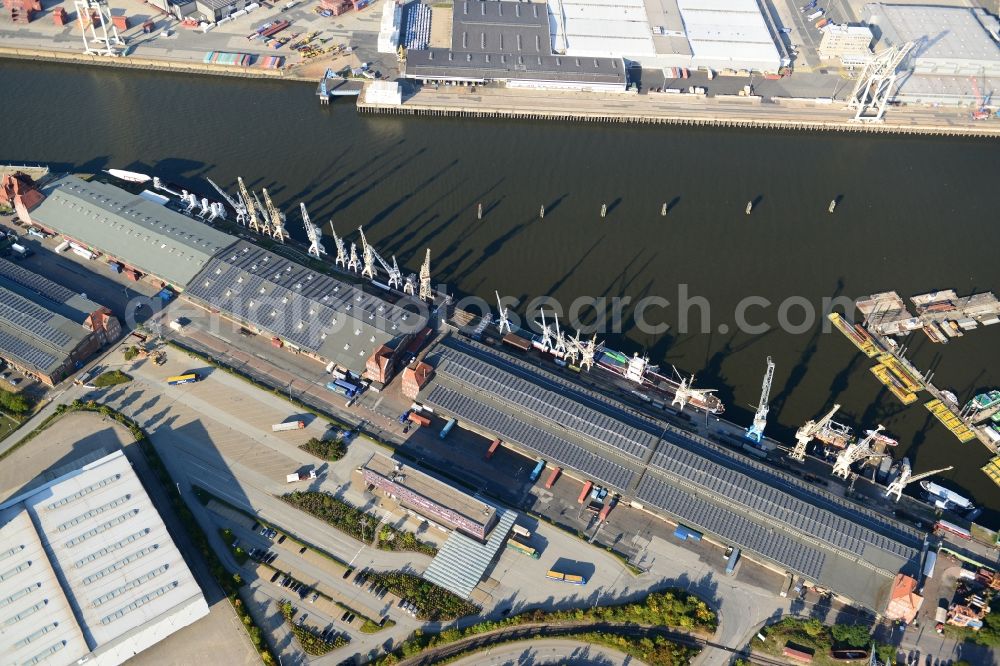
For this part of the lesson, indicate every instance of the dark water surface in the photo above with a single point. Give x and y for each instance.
(916, 214)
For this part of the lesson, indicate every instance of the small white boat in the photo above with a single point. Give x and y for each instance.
(833, 204)
(749, 207)
(129, 176)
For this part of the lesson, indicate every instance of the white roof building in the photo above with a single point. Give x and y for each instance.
(87, 569)
(729, 34)
(597, 28)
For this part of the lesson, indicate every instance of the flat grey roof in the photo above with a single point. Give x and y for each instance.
(462, 561)
(442, 64)
(946, 33)
(123, 577)
(33, 334)
(500, 27)
(39, 288)
(810, 531)
(147, 236)
(336, 320)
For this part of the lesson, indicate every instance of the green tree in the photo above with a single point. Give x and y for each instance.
(852, 635)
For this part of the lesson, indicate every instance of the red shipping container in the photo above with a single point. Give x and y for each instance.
(420, 419)
(493, 448)
(583, 494)
(120, 21)
(553, 476)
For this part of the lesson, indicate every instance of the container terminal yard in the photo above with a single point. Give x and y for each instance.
(628, 444)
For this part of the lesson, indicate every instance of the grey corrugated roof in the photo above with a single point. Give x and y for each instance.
(487, 66)
(945, 33)
(774, 515)
(33, 335)
(336, 320)
(462, 561)
(148, 236)
(33, 286)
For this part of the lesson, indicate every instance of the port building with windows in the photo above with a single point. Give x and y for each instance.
(776, 518)
(89, 571)
(46, 330)
(140, 236)
(304, 310)
(956, 50)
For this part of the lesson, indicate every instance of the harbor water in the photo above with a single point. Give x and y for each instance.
(913, 214)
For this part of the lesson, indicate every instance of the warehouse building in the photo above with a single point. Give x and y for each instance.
(46, 330)
(850, 44)
(307, 311)
(777, 518)
(90, 572)
(508, 42)
(144, 237)
(957, 49)
(729, 35)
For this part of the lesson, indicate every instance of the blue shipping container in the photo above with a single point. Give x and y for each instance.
(734, 557)
(447, 428)
(336, 388)
(346, 385)
(685, 533)
(537, 471)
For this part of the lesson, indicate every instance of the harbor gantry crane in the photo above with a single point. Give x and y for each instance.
(370, 255)
(756, 431)
(410, 285)
(265, 216)
(425, 278)
(353, 263)
(338, 242)
(856, 452)
(238, 206)
(906, 477)
(588, 350)
(808, 432)
(874, 85)
(102, 38)
(251, 216)
(686, 391)
(276, 219)
(313, 233)
(504, 324)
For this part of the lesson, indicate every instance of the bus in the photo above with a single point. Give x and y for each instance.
(519, 547)
(447, 428)
(183, 379)
(945, 526)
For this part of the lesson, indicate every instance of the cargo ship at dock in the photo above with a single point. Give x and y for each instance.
(657, 385)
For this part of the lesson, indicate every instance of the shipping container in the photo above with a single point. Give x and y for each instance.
(115, 267)
(684, 533)
(521, 531)
(734, 557)
(447, 428)
(493, 448)
(522, 549)
(517, 342)
(419, 419)
(290, 425)
(583, 493)
(929, 564)
(945, 526)
(183, 379)
(537, 471)
(553, 476)
(603, 515)
(347, 386)
(336, 388)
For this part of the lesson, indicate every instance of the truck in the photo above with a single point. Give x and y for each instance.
(535, 473)
(419, 419)
(519, 547)
(301, 476)
(552, 574)
(288, 425)
(521, 532)
(815, 15)
(553, 476)
(734, 557)
(20, 251)
(336, 387)
(493, 448)
(684, 533)
(447, 428)
(586, 491)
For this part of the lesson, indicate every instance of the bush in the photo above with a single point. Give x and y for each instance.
(14, 403)
(433, 603)
(111, 378)
(311, 642)
(130, 352)
(851, 635)
(327, 449)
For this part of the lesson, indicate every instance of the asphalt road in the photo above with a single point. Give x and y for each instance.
(565, 651)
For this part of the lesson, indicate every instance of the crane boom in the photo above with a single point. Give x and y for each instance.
(808, 432)
(252, 220)
(237, 206)
(906, 477)
(756, 431)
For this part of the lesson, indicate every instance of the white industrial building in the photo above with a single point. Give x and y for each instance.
(88, 572)
(388, 33)
(718, 34)
(850, 44)
(956, 50)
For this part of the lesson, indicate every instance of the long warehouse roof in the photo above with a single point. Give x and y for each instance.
(91, 550)
(146, 235)
(810, 531)
(334, 319)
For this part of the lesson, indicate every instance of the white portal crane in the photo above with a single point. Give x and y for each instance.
(265, 216)
(251, 211)
(756, 431)
(338, 242)
(410, 285)
(425, 278)
(504, 324)
(103, 38)
(856, 452)
(906, 477)
(205, 208)
(874, 85)
(313, 233)
(806, 433)
(238, 206)
(587, 352)
(367, 257)
(276, 218)
(686, 392)
(370, 256)
(192, 202)
(353, 263)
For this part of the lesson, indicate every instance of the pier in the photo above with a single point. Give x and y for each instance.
(651, 109)
(940, 314)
